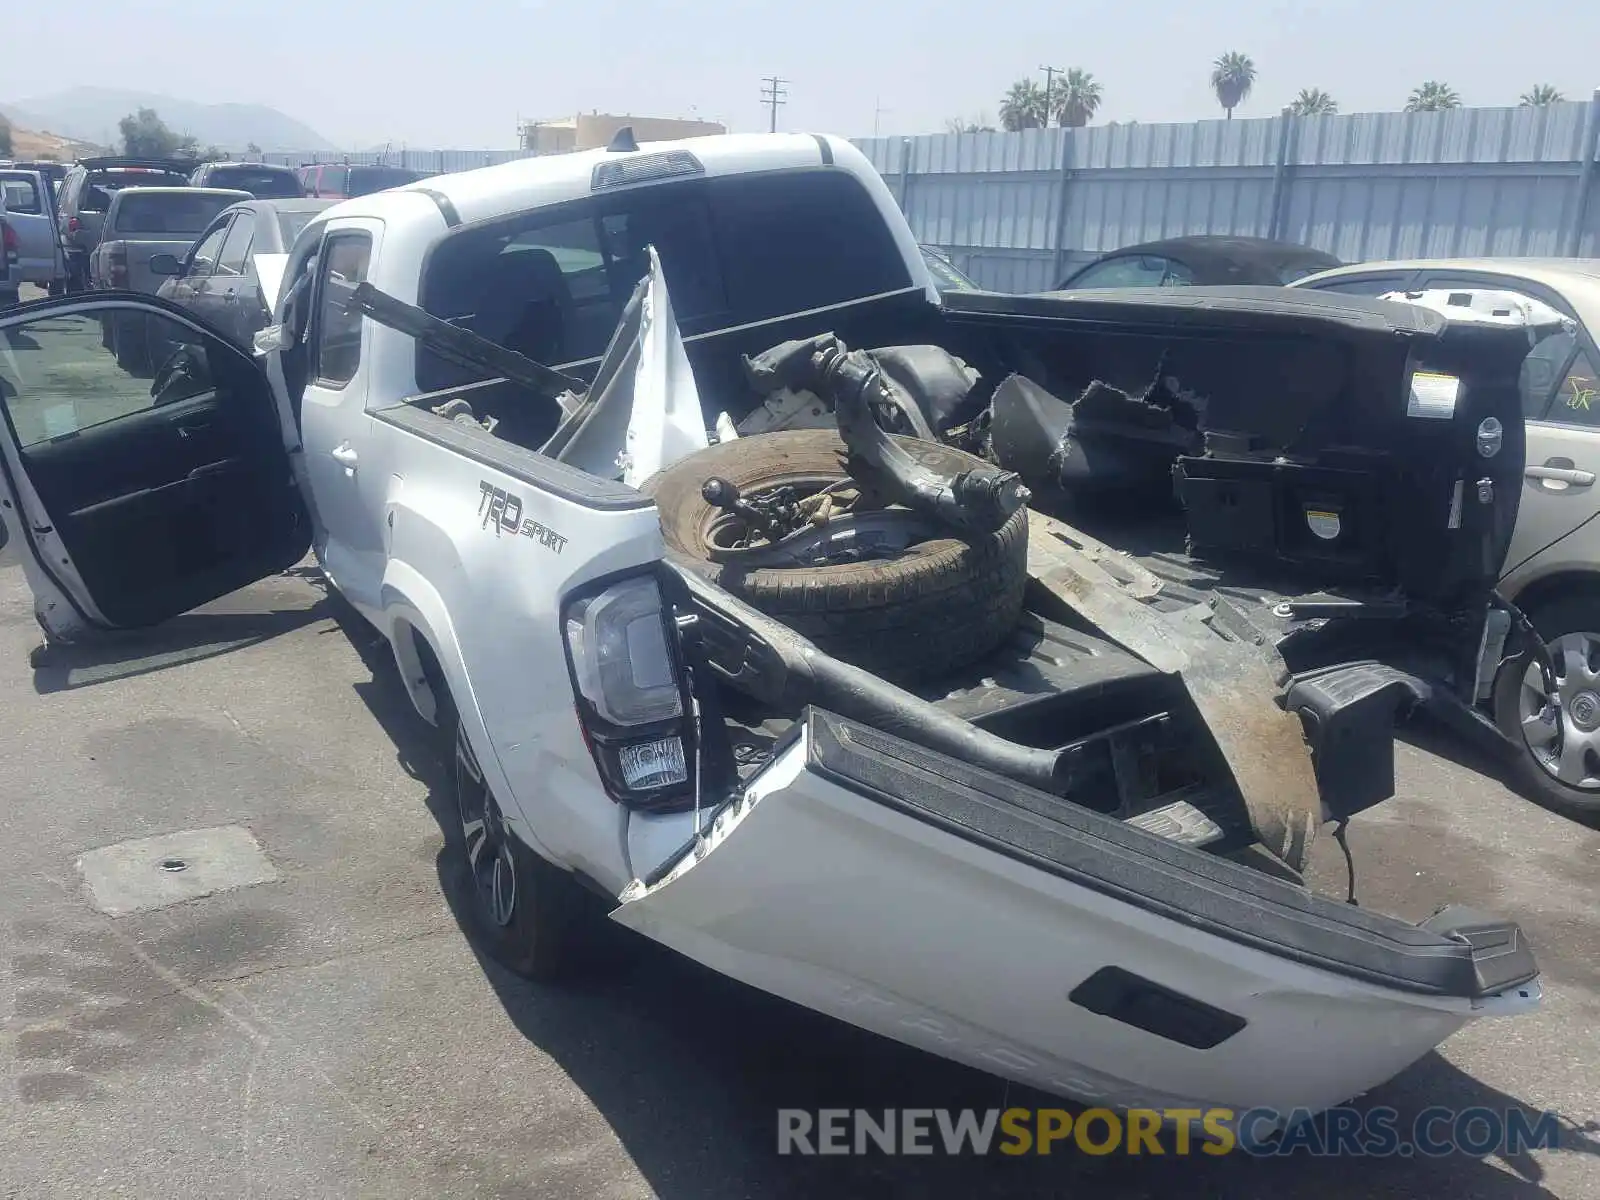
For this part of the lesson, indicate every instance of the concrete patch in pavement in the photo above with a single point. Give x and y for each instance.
(155, 872)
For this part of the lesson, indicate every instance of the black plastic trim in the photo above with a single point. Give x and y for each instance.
(1147, 1005)
(827, 150)
(547, 474)
(1194, 889)
(447, 207)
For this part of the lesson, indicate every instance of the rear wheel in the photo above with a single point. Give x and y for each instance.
(528, 912)
(1556, 729)
(907, 599)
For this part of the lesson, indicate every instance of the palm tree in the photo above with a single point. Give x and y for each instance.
(1075, 98)
(978, 124)
(1313, 102)
(1232, 76)
(1433, 96)
(1540, 95)
(1022, 107)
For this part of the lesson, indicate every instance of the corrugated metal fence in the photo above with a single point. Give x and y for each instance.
(439, 162)
(1016, 210)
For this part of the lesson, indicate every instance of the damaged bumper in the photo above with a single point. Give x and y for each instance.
(1136, 972)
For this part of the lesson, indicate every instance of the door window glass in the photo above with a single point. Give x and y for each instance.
(338, 350)
(1134, 270)
(1577, 400)
(61, 375)
(203, 258)
(236, 247)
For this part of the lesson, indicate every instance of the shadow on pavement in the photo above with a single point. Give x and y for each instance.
(189, 638)
(690, 1069)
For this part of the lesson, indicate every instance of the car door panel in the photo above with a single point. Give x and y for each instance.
(140, 506)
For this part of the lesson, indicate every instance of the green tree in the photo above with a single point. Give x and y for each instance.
(145, 135)
(5, 138)
(1313, 102)
(1075, 98)
(1433, 96)
(1022, 107)
(978, 124)
(1541, 94)
(1232, 77)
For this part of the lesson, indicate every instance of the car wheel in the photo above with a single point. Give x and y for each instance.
(1556, 729)
(526, 910)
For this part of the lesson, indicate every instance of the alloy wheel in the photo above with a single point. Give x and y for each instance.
(1562, 724)
(484, 834)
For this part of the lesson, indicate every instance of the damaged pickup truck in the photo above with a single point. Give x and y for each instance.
(742, 608)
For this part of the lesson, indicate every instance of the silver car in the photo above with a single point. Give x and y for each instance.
(1552, 571)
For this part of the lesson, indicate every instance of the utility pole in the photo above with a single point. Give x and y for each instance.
(1049, 74)
(772, 95)
(877, 113)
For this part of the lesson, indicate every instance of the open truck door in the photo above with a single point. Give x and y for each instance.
(133, 496)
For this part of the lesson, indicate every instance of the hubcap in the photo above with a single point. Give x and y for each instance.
(1562, 725)
(483, 830)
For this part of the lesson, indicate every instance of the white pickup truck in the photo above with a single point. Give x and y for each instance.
(568, 432)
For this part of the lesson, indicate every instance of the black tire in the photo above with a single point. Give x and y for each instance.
(1554, 619)
(942, 605)
(537, 934)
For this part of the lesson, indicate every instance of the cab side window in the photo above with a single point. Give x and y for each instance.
(337, 347)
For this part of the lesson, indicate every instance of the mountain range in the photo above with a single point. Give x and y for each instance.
(91, 114)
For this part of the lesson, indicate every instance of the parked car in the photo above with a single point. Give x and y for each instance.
(786, 703)
(946, 277)
(264, 181)
(1200, 261)
(85, 195)
(9, 292)
(229, 278)
(30, 207)
(336, 181)
(54, 172)
(140, 224)
(1552, 570)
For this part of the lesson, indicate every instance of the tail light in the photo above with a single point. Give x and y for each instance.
(8, 241)
(633, 700)
(119, 266)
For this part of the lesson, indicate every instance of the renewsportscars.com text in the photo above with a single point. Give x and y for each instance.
(1337, 1133)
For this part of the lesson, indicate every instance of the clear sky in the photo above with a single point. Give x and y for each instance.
(458, 73)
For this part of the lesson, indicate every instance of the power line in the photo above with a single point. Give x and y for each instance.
(1049, 74)
(773, 93)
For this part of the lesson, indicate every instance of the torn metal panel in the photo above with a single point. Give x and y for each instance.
(1233, 684)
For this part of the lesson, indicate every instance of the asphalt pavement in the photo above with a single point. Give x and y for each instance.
(330, 1031)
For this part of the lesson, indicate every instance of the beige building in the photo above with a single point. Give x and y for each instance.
(590, 131)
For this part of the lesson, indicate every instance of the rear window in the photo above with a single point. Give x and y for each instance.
(261, 182)
(21, 196)
(365, 180)
(113, 179)
(291, 223)
(169, 213)
(552, 284)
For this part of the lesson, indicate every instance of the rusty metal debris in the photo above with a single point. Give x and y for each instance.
(1233, 683)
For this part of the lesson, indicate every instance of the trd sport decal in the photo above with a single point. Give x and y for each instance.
(504, 510)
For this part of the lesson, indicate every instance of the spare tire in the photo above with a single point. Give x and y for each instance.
(941, 604)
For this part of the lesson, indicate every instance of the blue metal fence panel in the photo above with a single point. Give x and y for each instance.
(1014, 210)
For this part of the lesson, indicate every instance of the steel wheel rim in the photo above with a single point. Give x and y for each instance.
(483, 832)
(1561, 726)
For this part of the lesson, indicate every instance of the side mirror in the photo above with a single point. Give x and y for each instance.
(165, 264)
